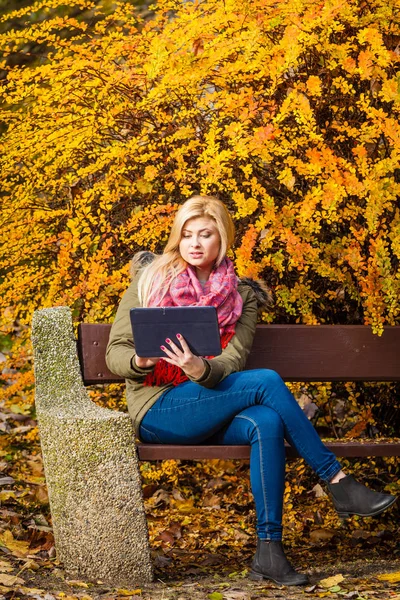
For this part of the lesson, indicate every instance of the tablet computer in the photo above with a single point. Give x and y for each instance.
(197, 324)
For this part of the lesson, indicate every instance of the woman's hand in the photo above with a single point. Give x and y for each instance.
(191, 365)
(145, 363)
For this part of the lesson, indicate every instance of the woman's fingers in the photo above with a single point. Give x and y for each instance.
(168, 352)
(173, 354)
(183, 343)
(176, 350)
(192, 365)
(179, 356)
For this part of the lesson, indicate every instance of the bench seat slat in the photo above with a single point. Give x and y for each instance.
(344, 448)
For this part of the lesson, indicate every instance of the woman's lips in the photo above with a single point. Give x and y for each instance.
(196, 254)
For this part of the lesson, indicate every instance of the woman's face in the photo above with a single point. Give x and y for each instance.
(200, 244)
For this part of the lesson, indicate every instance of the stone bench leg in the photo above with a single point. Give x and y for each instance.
(90, 463)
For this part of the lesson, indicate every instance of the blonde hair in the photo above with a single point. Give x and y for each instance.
(156, 276)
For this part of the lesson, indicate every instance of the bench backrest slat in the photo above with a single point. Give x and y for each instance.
(327, 352)
(296, 352)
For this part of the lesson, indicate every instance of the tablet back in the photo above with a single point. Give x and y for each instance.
(197, 324)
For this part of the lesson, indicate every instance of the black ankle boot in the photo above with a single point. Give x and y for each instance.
(270, 562)
(352, 498)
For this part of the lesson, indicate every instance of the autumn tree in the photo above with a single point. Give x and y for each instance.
(288, 111)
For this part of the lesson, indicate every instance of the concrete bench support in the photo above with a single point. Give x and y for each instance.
(91, 465)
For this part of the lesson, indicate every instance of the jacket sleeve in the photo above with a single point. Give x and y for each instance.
(120, 351)
(233, 357)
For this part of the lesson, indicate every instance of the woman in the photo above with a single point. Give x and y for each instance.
(187, 399)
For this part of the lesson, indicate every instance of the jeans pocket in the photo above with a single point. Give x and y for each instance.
(149, 437)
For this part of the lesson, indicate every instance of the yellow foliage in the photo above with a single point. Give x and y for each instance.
(288, 111)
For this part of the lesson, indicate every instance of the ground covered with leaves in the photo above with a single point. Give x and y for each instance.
(201, 524)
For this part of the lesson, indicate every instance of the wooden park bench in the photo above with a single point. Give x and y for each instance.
(90, 453)
(298, 353)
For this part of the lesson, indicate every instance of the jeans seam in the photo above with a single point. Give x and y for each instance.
(331, 472)
(154, 409)
(261, 469)
(151, 433)
(299, 446)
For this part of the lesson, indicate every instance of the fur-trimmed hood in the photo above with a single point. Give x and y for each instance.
(261, 291)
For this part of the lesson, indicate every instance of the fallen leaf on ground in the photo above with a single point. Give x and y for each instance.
(10, 580)
(391, 577)
(35, 592)
(217, 483)
(321, 535)
(77, 583)
(215, 596)
(318, 490)
(36, 466)
(7, 481)
(5, 567)
(331, 581)
(238, 574)
(240, 535)
(18, 548)
(236, 595)
(41, 494)
(166, 537)
(212, 501)
(123, 592)
(31, 564)
(184, 505)
(6, 495)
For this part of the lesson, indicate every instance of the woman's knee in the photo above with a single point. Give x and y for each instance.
(261, 422)
(271, 379)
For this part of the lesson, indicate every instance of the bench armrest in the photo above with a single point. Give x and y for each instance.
(59, 383)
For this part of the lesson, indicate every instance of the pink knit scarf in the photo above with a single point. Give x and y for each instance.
(185, 290)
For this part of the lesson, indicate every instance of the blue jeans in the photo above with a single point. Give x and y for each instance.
(250, 407)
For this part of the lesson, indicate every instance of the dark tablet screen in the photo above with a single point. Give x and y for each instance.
(197, 324)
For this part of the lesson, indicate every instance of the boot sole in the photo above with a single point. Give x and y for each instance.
(259, 577)
(347, 515)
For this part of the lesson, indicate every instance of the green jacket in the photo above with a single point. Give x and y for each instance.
(121, 351)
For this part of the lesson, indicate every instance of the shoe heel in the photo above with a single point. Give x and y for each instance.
(255, 576)
(343, 516)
